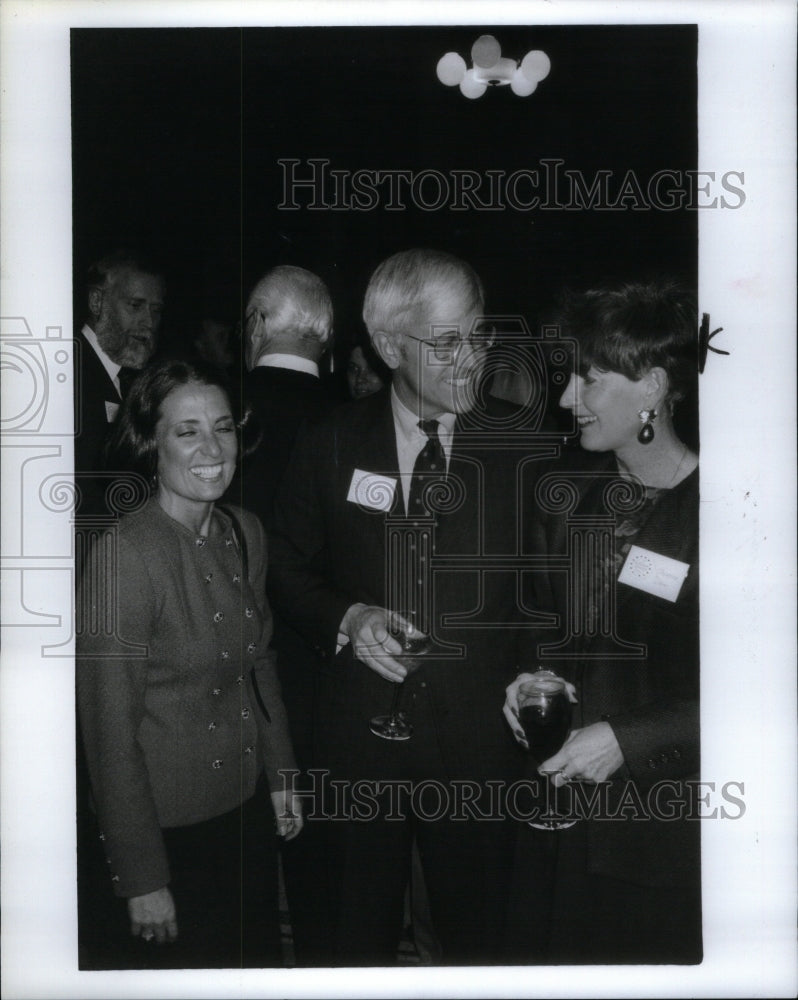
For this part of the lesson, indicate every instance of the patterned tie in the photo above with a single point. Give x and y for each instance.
(410, 567)
(126, 376)
(430, 466)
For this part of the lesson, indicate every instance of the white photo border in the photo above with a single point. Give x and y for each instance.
(746, 66)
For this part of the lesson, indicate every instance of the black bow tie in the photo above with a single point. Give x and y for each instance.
(127, 376)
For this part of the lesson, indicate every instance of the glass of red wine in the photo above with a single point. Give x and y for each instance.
(544, 711)
(415, 645)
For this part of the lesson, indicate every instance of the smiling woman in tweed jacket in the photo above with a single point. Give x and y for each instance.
(181, 716)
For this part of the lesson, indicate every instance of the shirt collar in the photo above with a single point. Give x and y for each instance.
(290, 361)
(110, 366)
(406, 422)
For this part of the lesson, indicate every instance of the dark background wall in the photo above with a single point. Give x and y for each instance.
(177, 136)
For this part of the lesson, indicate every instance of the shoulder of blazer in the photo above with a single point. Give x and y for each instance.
(355, 419)
(576, 467)
(247, 522)
(493, 408)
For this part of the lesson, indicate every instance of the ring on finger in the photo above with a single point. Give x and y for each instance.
(565, 777)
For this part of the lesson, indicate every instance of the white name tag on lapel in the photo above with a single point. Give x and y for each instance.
(367, 489)
(111, 410)
(654, 573)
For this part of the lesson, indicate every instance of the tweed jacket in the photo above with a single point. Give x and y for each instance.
(173, 728)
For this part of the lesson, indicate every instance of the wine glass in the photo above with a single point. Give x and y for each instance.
(415, 645)
(544, 711)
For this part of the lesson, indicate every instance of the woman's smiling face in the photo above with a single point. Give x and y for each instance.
(606, 405)
(197, 447)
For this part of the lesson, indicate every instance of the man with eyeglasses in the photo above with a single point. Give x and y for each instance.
(387, 511)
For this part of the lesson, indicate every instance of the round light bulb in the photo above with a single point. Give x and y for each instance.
(470, 87)
(535, 65)
(485, 52)
(521, 85)
(451, 69)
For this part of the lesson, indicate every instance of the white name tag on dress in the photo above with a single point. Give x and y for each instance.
(111, 410)
(654, 573)
(368, 489)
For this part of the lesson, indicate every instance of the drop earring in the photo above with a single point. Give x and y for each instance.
(646, 433)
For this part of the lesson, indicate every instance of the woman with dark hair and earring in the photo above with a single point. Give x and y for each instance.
(181, 715)
(618, 524)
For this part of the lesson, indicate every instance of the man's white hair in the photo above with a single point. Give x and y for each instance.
(405, 285)
(289, 303)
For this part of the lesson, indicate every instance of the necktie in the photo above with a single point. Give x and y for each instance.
(411, 567)
(430, 466)
(126, 376)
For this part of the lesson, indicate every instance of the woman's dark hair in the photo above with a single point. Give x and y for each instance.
(132, 447)
(634, 328)
(372, 359)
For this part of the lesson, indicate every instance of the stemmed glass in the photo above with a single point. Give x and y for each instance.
(415, 645)
(544, 711)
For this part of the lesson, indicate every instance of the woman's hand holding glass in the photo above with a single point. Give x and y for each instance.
(591, 755)
(511, 710)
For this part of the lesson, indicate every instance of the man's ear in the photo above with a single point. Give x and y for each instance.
(253, 342)
(387, 348)
(95, 302)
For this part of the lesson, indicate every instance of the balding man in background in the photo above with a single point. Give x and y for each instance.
(288, 329)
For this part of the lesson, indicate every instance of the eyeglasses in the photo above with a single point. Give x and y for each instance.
(448, 344)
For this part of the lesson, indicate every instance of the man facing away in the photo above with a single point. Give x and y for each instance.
(351, 500)
(288, 327)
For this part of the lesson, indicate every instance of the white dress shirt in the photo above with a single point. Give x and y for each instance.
(110, 366)
(291, 361)
(411, 440)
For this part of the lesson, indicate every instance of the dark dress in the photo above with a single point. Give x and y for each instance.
(622, 885)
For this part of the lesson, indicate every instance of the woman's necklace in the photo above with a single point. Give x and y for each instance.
(626, 473)
(678, 467)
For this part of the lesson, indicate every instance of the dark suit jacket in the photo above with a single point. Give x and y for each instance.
(93, 388)
(329, 552)
(651, 701)
(282, 400)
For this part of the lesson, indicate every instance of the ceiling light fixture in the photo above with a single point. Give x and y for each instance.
(490, 69)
